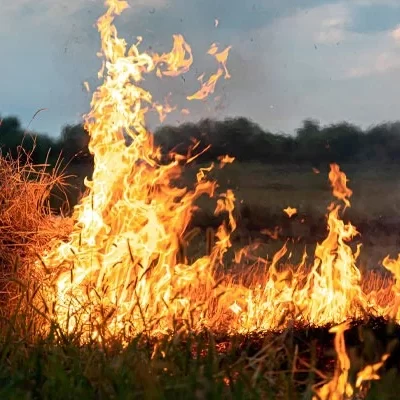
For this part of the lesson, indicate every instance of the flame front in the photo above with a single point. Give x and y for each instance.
(124, 270)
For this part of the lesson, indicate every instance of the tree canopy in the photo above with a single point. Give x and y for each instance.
(239, 137)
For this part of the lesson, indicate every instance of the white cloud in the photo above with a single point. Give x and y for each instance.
(395, 33)
(323, 69)
(333, 30)
(368, 3)
(383, 63)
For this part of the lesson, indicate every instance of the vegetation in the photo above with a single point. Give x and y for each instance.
(312, 144)
(17, 142)
(238, 137)
(284, 366)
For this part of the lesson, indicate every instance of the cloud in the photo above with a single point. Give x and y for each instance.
(380, 54)
(314, 74)
(383, 63)
(333, 30)
(369, 3)
(289, 60)
(395, 33)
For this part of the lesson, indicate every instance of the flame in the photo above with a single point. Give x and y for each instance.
(339, 184)
(164, 109)
(339, 388)
(394, 267)
(290, 211)
(208, 87)
(221, 57)
(369, 373)
(177, 61)
(224, 160)
(125, 269)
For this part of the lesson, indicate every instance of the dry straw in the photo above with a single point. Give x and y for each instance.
(27, 225)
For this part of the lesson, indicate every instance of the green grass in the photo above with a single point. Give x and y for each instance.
(285, 365)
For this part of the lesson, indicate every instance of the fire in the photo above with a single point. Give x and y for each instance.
(339, 387)
(121, 267)
(290, 211)
(124, 269)
(208, 87)
(176, 61)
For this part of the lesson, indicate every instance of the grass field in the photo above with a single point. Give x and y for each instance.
(280, 365)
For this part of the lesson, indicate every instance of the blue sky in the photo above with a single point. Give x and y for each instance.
(290, 60)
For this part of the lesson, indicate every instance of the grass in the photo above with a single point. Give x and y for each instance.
(287, 365)
(267, 189)
(282, 365)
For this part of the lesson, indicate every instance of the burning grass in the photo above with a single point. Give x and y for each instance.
(287, 364)
(293, 363)
(27, 226)
(122, 271)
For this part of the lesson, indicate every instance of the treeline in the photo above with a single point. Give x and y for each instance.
(245, 140)
(238, 137)
(70, 145)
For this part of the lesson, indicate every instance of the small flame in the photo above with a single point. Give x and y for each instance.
(369, 373)
(221, 57)
(339, 184)
(164, 109)
(290, 211)
(208, 87)
(338, 388)
(225, 160)
(177, 61)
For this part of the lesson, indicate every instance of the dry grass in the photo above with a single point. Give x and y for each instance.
(26, 227)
